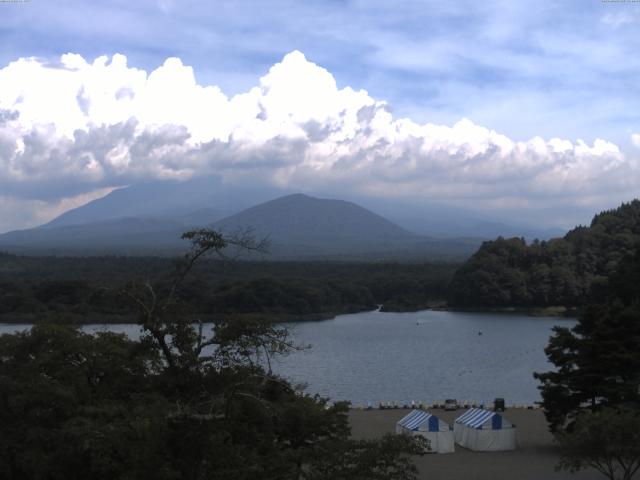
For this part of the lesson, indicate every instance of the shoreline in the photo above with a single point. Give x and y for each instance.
(553, 311)
(31, 319)
(76, 319)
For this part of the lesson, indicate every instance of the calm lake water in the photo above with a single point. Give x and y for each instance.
(421, 356)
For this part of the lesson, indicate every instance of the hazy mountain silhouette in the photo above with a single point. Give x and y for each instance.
(298, 226)
(118, 236)
(301, 218)
(148, 218)
(200, 200)
(301, 226)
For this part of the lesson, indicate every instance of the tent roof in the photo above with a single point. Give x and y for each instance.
(476, 417)
(416, 418)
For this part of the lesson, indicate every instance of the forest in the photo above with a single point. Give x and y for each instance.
(89, 289)
(559, 272)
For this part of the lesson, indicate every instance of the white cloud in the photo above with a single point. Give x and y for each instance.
(72, 127)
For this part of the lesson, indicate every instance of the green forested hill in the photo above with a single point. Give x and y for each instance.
(561, 271)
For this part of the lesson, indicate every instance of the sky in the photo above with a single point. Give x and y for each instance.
(522, 110)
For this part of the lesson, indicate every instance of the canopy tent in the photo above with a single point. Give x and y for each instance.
(424, 424)
(482, 430)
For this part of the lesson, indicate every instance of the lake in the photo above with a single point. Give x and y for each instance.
(422, 356)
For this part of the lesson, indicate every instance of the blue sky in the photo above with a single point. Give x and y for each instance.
(555, 68)
(526, 69)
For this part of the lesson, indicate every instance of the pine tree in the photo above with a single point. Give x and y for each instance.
(598, 360)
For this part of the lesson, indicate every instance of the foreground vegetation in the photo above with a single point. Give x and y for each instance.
(181, 403)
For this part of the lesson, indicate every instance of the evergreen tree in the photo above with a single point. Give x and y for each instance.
(598, 360)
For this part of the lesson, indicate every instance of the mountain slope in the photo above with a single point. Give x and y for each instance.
(145, 218)
(301, 218)
(166, 199)
(122, 236)
(445, 221)
(300, 226)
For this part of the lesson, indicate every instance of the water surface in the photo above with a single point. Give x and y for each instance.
(421, 356)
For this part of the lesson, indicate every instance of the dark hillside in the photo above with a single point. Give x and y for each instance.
(561, 271)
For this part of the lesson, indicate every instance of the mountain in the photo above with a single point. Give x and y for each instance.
(307, 220)
(200, 200)
(559, 272)
(148, 218)
(145, 218)
(206, 199)
(163, 206)
(446, 221)
(298, 226)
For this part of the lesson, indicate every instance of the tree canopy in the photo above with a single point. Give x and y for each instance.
(185, 401)
(607, 440)
(558, 272)
(597, 361)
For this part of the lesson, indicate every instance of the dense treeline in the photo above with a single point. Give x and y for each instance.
(34, 289)
(561, 271)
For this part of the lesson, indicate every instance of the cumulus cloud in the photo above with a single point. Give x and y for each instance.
(71, 127)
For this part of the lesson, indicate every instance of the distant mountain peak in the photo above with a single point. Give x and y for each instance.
(149, 218)
(309, 220)
(305, 199)
(295, 196)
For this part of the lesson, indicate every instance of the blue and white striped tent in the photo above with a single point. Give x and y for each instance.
(425, 424)
(484, 430)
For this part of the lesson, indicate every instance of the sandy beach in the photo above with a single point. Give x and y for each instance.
(534, 459)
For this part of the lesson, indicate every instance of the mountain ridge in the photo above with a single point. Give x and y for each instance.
(298, 225)
(149, 218)
(180, 200)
